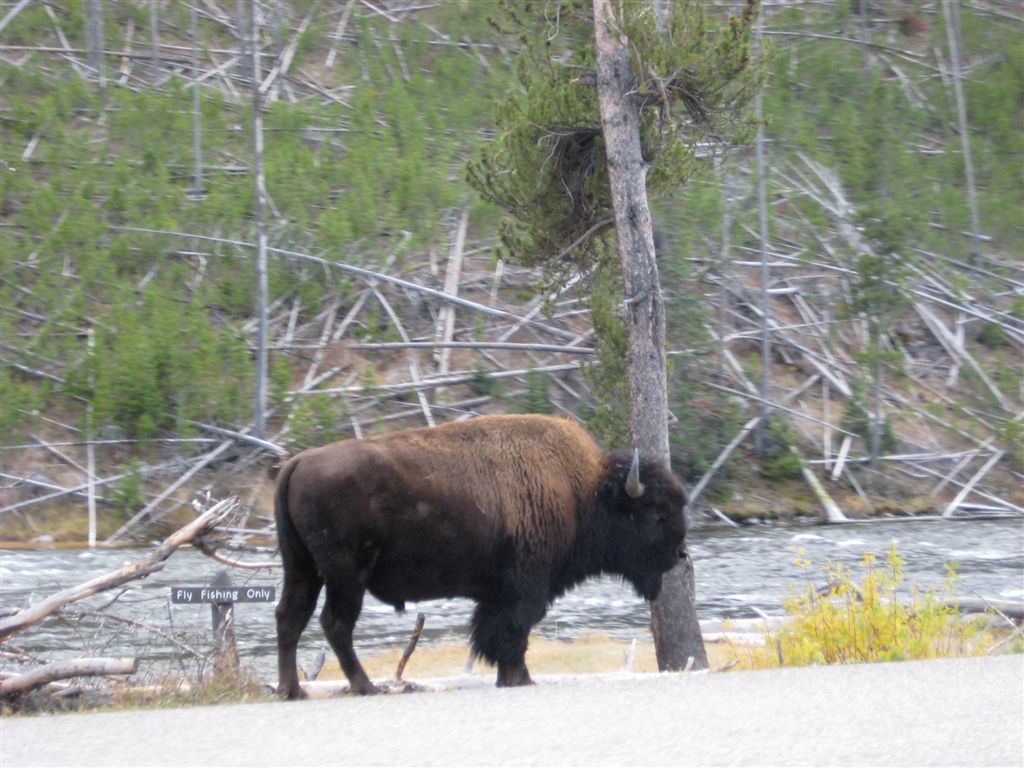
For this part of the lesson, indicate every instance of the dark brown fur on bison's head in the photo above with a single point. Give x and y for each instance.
(646, 534)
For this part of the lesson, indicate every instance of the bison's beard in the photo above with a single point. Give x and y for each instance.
(648, 587)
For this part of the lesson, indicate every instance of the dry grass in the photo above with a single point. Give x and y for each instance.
(593, 654)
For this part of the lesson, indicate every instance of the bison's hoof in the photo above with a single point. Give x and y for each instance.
(514, 678)
(365, 689)
(293, 694)
(515, 683)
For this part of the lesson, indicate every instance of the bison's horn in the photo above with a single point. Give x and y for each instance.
(634, 487)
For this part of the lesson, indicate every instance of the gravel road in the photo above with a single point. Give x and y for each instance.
(964, 712)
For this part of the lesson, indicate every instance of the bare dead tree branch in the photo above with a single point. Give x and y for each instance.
(411, 646)
(62, 670)
(140, 569)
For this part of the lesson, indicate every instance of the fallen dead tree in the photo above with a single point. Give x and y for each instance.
(63, 670)
(140, 569)
(43, 675)
(1011, 610)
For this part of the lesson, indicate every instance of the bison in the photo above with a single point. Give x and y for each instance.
(509, 511)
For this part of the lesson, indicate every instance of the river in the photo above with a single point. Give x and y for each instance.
(740, 571)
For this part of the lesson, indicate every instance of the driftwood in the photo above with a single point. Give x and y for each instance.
(62, 670)
(514, 346)
(242, 437)
(47, 486)
(420, 620)
(969, 486)
(325, 335)
(844, 449)
(967, 458)
(284, 62)
(440, 381)
(212, 553)
(339, 34)
(833, 514)
(777, 407)
(957, 352)
(698, 489)
(1002, 503)
(138, 570)
(1008, 609)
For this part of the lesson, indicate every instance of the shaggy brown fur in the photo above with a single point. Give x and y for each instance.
(507, 510)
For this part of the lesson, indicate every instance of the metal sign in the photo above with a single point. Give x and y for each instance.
(197, 595)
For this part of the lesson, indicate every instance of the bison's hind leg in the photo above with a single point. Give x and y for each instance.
(298, 601)
(338, 618)
(500, 633)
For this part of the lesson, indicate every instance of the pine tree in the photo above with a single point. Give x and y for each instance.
(614, 99)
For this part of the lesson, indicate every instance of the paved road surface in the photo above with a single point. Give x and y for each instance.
(952, 712)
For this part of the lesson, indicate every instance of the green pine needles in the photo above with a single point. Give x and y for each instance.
(695, 77)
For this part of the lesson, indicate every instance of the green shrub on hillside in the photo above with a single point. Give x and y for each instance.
(857, 420)
(779, 461)
(537, 397)
(159, 365)
(319, 419)
(127, 493)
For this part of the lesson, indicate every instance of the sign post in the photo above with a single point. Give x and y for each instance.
(225, 644)
(222, 595)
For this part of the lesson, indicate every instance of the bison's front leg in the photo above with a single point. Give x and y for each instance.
(514, 673)
(500, 634)
(338, 618)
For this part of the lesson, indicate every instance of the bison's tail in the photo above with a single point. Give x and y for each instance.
(287, 536)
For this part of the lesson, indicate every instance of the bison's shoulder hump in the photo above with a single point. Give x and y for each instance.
(524, 426)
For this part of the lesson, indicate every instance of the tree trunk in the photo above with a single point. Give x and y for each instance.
(876, 421)
(197, 117)
(94, 43)
(677, 635)
(951, 15)
(154, 40)
(762, 206)
(244, 60)
(259, 197)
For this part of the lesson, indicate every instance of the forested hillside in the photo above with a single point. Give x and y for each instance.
(129, 281)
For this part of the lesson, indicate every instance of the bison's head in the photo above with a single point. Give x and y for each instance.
(644, 503)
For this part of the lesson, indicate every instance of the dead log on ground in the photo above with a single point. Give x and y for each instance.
(1009, 609)
(831, 510)
(131, 572)
(63, 670)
